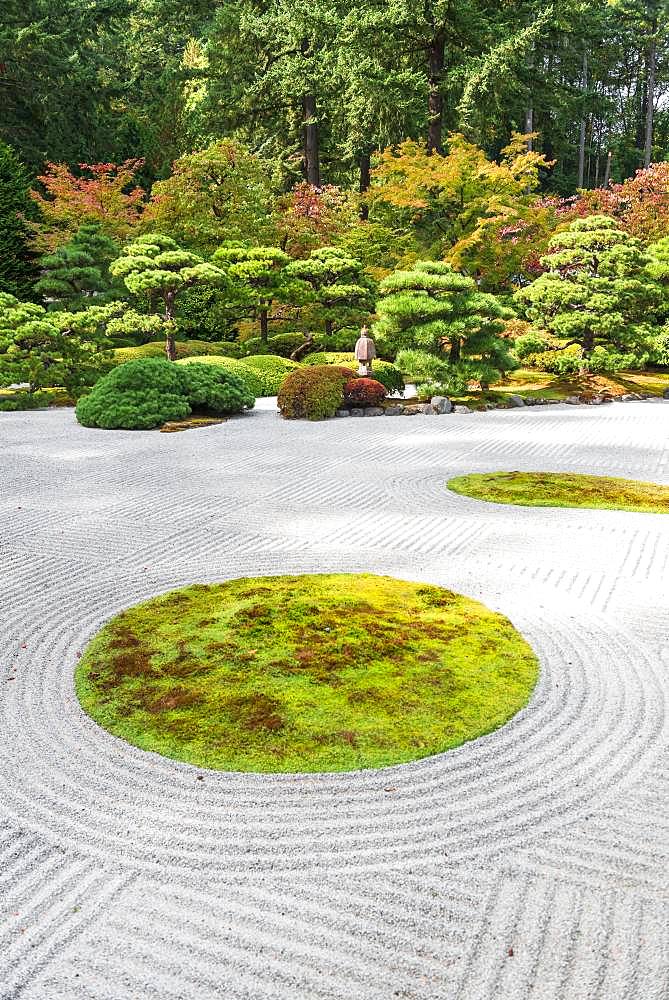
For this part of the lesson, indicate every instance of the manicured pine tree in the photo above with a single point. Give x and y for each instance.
(79, 270)
(442, 329)
(17, 270)
(596, 293)
(338, 286)
(157, 267)
(257, 279)
(46, 349)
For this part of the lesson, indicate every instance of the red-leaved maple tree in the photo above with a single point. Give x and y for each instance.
(640, 204)
(107, 193)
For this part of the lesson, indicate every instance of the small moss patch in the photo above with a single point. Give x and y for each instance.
(189, 424)
(563, 489)
(305, 673)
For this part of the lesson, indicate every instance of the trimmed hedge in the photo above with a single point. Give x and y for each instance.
(281, 345)
(148, 392)
(185, 349)
(251, 379)
(313, 393)
(383, 371)
(272, 370)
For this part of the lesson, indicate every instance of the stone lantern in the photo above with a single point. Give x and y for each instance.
(365, 352)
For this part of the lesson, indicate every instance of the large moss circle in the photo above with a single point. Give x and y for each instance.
(563, 489)
(305, 673)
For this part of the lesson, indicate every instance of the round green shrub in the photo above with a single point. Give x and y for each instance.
(272, 370)
(313, 393)
(150, 391)
(249, 377)
(135, 396)
(216, 389)
(185, 349)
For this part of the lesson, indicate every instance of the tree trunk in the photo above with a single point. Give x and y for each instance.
(365, 168)
(529, 127)
(581, 139)
(588, 344)
(312, 166)
(607, 172)
(329, 327)
(264, 325)
(303, 348)
(435, 100)
(651, 63)
(170, 340)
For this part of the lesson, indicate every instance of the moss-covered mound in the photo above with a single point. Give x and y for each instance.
(305, 673)
(563, 489)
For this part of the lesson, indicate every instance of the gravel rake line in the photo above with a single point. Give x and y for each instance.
(545, 837)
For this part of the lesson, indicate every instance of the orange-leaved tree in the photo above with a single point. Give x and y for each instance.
(106, 193)
(444, 198)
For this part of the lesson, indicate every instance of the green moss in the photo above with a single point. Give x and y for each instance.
(532, 383)
(305, 673)
(563, 489)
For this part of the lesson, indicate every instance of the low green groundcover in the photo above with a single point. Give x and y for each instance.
(305, 673)
(563, 489)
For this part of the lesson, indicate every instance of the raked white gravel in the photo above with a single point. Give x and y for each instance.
(531, 863)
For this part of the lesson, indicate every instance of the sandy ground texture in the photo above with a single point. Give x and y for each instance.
(531, 863)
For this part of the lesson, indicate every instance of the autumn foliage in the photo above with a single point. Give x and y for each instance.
(640, 205)
(310, 217)
(364, 392)
(106, 193)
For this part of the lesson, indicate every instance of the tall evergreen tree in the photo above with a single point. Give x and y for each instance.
(17, 271)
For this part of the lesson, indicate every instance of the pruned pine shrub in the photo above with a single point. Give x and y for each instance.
(148, 392)
(248, 375)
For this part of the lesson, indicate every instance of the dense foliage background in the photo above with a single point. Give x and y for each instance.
(266, 177)
(316, 87)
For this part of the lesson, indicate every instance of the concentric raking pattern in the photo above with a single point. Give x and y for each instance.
(530, 863)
